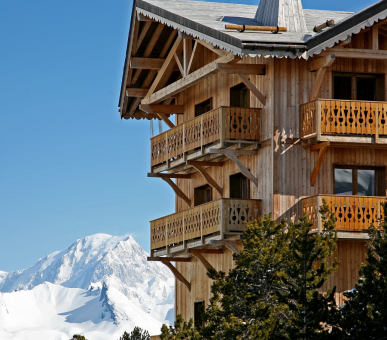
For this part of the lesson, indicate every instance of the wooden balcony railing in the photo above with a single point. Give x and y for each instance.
(222, 124)
(222, 216)
(353, 213)
(343, 118)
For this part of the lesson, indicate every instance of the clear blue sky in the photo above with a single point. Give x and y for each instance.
(69, 167)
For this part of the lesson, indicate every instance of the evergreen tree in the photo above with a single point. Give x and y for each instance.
(78, 337)
(136, 334)
(273, 290)
(312, 314)
(365, 310)
(181, 331)
(244, 304)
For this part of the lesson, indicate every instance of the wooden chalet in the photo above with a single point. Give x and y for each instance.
(276, 107)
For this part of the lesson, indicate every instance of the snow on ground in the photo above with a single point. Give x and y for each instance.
(54, 312)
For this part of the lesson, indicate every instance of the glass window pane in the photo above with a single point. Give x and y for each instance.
(366, 182)
(343, 181)
(366, 88)
(342, 87)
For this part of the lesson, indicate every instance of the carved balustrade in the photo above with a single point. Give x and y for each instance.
(344, 118)
(220, 125)
(353, 213)
(222, 216)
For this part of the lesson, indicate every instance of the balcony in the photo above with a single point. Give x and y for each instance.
(344, 121)
(223, 127)
(198, 226)
(353, 213)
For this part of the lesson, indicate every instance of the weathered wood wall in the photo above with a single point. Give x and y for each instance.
(196, 273)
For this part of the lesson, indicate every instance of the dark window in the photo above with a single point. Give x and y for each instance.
(202, 195)
(239, 186)
(358, 86)
(198, 314)
(203, 107)
(362, 181)
(240, 96)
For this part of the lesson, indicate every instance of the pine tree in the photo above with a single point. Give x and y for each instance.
(244, 304)
(136, 334)
(365, 310)
(182, 331)
(312, 314)
(78, 337)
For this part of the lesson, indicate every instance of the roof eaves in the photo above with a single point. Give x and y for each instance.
(346, 25)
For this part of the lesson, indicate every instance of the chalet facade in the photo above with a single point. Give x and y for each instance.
(276, 107)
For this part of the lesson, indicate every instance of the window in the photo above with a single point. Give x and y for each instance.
(349, 86)
(362, 181)
(239, 186)
(198, 314)
(203, 107)
(202, 195)
(240, 96)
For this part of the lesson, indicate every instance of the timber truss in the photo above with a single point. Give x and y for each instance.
(162, 62)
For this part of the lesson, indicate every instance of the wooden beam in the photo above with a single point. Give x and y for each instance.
(181, 176)
(168, 44)
(134, 105)
(187, 53)
(208, 178)
(166, 120)
(235, 152)
(344, 42)
(131, 92)
(153, 40)
(165, 68)
(166, 109)
(383, 31)
(318, 146)
(322, 62)
(356, 53)
(252, 88)
(233, 245)
(375, 37)
(207, 45)
(179, 62)
(185, 82)
(146, 63)
(204, 261)
(204, 163)
(142, 35)
(317, 83)
(169, 259)
(193, 54)
(177, 191)
(205, 251)
(232, 154)
(177, 274)
(259, 69)
(318, 163)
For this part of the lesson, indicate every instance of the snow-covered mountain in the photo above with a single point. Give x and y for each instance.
(111, 269)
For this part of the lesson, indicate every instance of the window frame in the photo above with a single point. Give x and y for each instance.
(203, 105)
(247, 186)
(199, 323)
(380, 178)
(380, 84)
(206, 188)
(240, 88)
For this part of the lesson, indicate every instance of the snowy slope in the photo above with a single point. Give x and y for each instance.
(51, 311)
(112, 267)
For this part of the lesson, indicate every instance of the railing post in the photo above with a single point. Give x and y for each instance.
(318, 119)
(377, 123)
(201, 134)
(319, 222)
(222, 115)
(201, 223)
(222, 218)
(166, 235)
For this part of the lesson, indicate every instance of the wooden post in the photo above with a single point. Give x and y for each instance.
(319, 222)
(318, 120)
(377, 123)
(222, 117)
(222, 219)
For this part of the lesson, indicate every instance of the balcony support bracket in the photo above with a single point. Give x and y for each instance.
(173, 269)
(166, 120)
(232, 154)
(233, 245)
(252, 88)
(321, 64)
(198, 166)
(321, 148)
(175, 188)
(198, 253)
